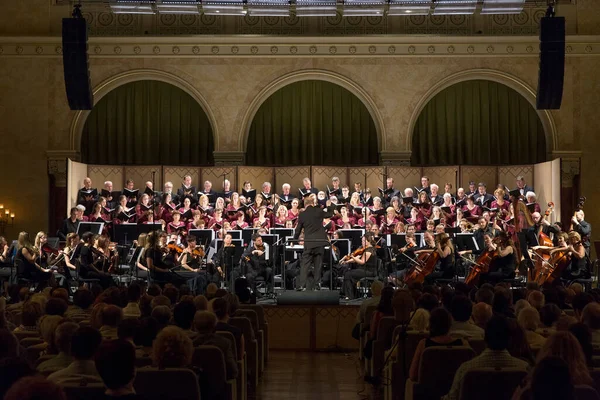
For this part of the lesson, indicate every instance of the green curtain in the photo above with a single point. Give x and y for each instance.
(147, 122)
(478, 123)
(312, 123)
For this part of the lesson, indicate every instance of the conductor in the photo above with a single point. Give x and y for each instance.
(315, 238)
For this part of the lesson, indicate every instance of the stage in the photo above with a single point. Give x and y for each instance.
(311, 327)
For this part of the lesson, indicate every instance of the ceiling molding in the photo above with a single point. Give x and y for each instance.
(277, 46)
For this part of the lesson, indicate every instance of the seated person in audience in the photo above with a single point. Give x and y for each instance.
(376, 288)
(110, 317)
(84, 344)
(529, 320)
(420, 320)
(132, 309)
(172, 348)
(128, 329)
(591, 318)
(439, 329)
(580, 300)
(145, 336)
(536, 299)
(497, 336)
(115, 363)
(384, 309)
(47, 329)
(221, 309)
(32, 312)
(33, 388)
(461, 309)
(81, 308)
(549, 315)
(183, 316)
(163, 315)
(9, 345)
(11, 370)
(64, 335)
(584, 337)
(205, 323)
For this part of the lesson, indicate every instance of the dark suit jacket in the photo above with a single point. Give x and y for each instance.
(311, 220)
(525, 190)
(225, 346)
(487, 198)
(193, 194)
(584, 229)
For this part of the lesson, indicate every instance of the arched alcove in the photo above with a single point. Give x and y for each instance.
(478, 122)
(147, 122)
(312, 122)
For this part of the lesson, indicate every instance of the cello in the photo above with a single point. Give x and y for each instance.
(542, 258)
(425, 264)
(553, 268)
(481, 266)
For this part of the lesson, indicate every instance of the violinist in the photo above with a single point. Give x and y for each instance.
(45, 253)
(90, 259)
(109, 258)
(503, 265)
(5, 264)
(577, 268)
(139, 258)
(27, 265)
(365, 265)
(190, 261)
(159, 271)
(222, 261)
(255, 262)
(68, 255)
(445, 268)
(403, 258)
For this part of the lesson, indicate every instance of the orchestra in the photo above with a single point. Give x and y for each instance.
(413, 231)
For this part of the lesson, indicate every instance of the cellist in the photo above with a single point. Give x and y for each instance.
(577, 268)
(503, 265)
(445, 268)
(545, 259)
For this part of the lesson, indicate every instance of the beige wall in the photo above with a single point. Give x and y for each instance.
(394, 78)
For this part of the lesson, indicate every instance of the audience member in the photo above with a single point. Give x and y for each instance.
(552, 380)
(9, 344)
(384, 309)
(580, 300)
(221, 310)
(205, 323)
(84, 344)
(584, 337)
(47, 329)
(497, 336)
(502, 303)
(484, 295)
(428, 301)
(62, 339)
(172, 293)
(518, 346)
(591, 318)
(461, 309)
(56, 306)
(115, 363)
(154, 290)
(420, 320)
(520, 305)
(145, 337)
(128, 329)
(132, 309)
(111, 317)
(163, 315)
(11, 370)
(536, 299)
(32, 312)
(482, 313)
(201, 303)
(82, 301)
(439, 329)
(529, 320)
(35, 388)
(566, 346)
(172, 348)
(376, 288)
(183, 317)
(160, 300)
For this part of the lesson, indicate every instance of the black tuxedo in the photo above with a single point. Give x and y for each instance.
(192, 194)
(436, 200)
(315, 240)
(481, 200)
(524, 191)
(289, 197)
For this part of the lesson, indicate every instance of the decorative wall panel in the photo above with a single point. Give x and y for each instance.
(487, 175)
(405, 177)
(175, 176)
(321, 177)
(442, 175)
(217, 174)
(508, 175)
(293, 176)
(143, 174)
(102, 173)
(372, 175)
(255, 175)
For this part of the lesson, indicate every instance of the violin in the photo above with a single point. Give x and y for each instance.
(46, 248)
(356, 253)
(174, 247)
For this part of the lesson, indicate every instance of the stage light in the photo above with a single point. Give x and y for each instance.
(178, 7)
(454, 7)
(409, 7)
(132, 7)
(502, 6)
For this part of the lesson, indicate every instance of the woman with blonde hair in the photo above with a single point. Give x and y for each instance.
(27, 264)
(172, 348)
(529, 319)
(566, 346)
(420, 320)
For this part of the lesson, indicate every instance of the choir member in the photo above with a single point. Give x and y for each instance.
(207, 190)
(388, 225)
(483, 198)
(345, 196)
(187, 190)
(345, 218)
(473, 209)
(262, 218)
(203, 205)
(186, 210)
(294, 211)
(367, 200)
(226, 193)
(532, 202)
(177, 226)
(141, 209)
(217, 220)
(280, 217)
(522, 187)
(472, 189)
(240, 222)
(307, 188)
(435, 197)
(165, 208)
(500, 204)
(87, 195)
(425, 185)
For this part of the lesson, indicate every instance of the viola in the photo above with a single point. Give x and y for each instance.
(356, 253)
(46, 248)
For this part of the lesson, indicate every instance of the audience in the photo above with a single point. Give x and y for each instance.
(221, 310)
(439, 329)
(529, 320)
(205, 323)
(62, 339)
(35, 388)
(497, 336)
(376, 288)
(461, 309)
(11, 370)
(132, 309)
(591, 318)
(82, 301)
(551, 380)
(566, 346)
(84, 344)
(183, 317)
(111, 317)
(384, 309)
(115, 363)
(172, 348)
(584, 337)
(482, 313)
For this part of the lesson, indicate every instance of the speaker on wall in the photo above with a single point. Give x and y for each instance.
(552, 63)
(75, 62)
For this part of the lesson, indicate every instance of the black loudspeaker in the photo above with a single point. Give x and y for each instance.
(552, 63)
(317, 297)
(75, 60)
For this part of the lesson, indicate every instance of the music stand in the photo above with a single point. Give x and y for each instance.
(282, 232)
(203, 236)
(355, 236)
(147, 228)
(94, 227)
(343, 245)
(235, 234)
(247, 235)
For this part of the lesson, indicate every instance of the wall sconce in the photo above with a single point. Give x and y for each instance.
(6, 219)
